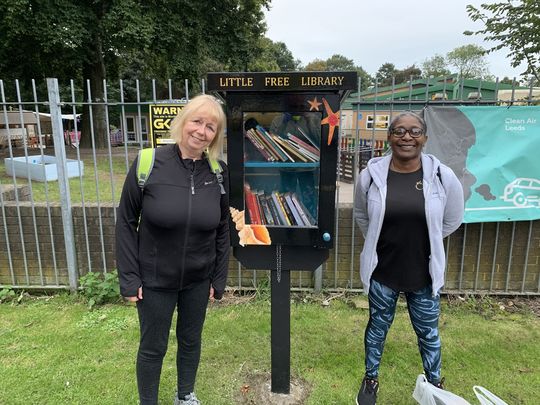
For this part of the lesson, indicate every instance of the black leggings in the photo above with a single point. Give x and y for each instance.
(156, 310)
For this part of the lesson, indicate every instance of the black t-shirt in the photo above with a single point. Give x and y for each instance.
(403, 246)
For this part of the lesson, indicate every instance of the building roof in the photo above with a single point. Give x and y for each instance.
(426, 88)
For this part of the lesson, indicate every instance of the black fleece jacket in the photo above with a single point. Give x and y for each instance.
(182, 237)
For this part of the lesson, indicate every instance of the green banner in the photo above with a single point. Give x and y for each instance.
(495, 152)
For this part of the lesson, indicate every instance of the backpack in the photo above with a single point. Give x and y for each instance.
(145, 163)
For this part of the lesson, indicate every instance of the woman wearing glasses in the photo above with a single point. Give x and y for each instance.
(405, 204)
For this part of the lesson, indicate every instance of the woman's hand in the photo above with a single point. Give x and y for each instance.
(137, 297)
(211, 293)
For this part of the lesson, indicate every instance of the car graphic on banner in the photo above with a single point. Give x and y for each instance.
(523, 192)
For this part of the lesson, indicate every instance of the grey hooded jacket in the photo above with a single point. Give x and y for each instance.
(444, 212)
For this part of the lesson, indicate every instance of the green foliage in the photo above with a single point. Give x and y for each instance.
(385, 73)
(7, 295)
(262, 289)
(469, 61)
(340, 63)
(100, 288)
(436, 66)
(513, 25)
(316, 65)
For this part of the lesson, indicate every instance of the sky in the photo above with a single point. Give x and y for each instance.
(375, 32)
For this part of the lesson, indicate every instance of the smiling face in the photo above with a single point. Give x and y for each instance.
(406, 148)
(198, 132)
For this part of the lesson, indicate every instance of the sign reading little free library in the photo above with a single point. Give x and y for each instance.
(282, 81)
(161, 116)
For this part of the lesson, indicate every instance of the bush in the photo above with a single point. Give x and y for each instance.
(100, 288)
(7, 295)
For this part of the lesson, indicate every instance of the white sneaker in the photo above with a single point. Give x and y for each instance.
(189, 399)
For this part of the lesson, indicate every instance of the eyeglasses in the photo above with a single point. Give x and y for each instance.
(400, 132)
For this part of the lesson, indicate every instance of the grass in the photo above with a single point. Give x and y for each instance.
(53, 350)
(96, 182)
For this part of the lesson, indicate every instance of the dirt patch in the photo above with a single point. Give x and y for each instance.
(493, 305)
(256, 389)
(231, 297)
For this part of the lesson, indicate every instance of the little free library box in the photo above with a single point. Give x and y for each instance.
(282, 140)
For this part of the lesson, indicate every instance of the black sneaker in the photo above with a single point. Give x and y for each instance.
(368, 392)
(439, 384)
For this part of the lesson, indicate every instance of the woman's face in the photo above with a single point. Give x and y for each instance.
(199, 131)
(407, 147)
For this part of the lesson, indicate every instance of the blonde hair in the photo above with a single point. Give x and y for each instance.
(209, 105)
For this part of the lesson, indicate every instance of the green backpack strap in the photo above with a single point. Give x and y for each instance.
(145, 163)
(215, 167)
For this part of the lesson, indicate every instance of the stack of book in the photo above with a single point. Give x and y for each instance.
(274, 148)
(275, 208)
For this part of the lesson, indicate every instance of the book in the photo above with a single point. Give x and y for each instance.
(267, 214)
(290, 203)
(309, 138)
(294, 152)
(273, 210)
(260, 148)
(271, 143)
(303, 211)
(288, 212)
(268, 146)
(279, 208)
(252, 205)
(315, 150)
(303, 152)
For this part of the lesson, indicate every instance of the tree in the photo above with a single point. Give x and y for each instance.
(513, 25)
(316, 65)
(364, 78)
(409, 73)
(470, 61)
(385, 74)
(436, 66)
(339, 63)
(274, 56)
(106, 39)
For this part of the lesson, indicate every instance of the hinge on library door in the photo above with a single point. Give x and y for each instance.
(278, 263)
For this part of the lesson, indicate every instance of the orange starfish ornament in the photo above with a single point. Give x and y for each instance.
(332, 119)
(314, 104)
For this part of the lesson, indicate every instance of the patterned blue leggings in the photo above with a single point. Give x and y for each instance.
(424, 314)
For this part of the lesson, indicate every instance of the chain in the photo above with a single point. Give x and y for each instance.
(278, 263)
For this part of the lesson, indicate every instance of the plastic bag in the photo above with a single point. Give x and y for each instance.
(427, 394)
(486, 397)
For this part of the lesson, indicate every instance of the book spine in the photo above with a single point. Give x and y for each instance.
(297, 156)
(310, 140)
(269, 219)
(300, 151)
(273, 210)
(303, 144)
(288, 213)
(263, 133)
(279, 208)
(292, 156)
(306, 217)
(267, 145)
(260, 148)
(251, 204)
(264, 143)
(296, 215)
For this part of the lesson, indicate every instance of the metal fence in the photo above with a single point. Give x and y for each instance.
(58, 202)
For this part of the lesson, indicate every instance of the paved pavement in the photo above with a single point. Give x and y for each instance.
(345, 191)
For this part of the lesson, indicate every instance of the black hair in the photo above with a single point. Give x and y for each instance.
(413, 114)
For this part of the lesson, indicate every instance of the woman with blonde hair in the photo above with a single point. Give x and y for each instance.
(173, 254)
